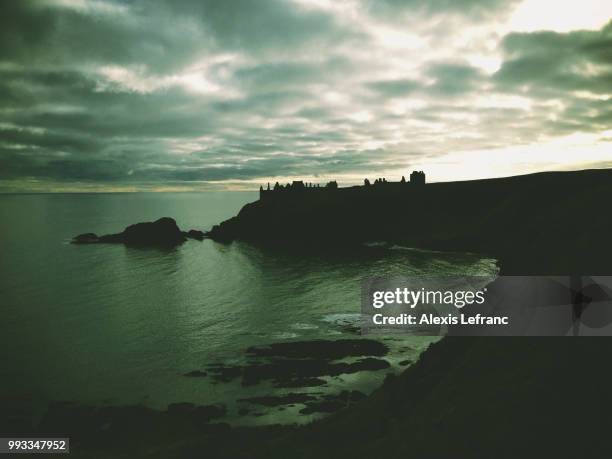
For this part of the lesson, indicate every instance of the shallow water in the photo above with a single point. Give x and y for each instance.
(106, 324)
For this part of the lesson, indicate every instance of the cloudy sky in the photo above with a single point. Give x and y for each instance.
(209, 94)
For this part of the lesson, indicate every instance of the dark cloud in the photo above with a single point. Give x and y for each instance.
(561, 66)
(455, 78)
(158, 34)
(261, 25)
(471, 9)
(395, 88)
(573, 61)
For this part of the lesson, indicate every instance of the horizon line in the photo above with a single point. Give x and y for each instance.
(242, 188)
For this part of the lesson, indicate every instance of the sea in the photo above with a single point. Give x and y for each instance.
(109, 325)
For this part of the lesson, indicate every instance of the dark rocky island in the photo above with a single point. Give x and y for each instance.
(162, 232)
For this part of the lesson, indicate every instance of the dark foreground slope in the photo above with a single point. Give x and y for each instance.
(475, 398)
(546, 223)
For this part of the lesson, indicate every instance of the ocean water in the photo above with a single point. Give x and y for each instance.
(111, 325)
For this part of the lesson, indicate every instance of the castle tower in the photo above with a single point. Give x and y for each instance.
(417, 178)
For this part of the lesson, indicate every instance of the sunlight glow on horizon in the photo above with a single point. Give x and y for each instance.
(532, 15)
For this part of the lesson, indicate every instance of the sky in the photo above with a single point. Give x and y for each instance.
(180, 95)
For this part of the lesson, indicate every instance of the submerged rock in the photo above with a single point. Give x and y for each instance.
(196, 374)
(86, 238)
(162, 232)
(313, 403)
(195, 234)
(323, 349)
(299, 382)
(303, 363)
(278, 400)
(333, 402)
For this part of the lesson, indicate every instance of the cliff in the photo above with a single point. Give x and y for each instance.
(545, 223)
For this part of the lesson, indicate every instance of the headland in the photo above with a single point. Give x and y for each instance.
(545, 223)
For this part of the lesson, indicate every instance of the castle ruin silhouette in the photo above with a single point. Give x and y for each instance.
(417, 179)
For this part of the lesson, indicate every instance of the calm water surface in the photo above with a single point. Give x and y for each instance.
(106, 324)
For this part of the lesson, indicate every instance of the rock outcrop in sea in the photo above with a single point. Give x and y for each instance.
(162, 232)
